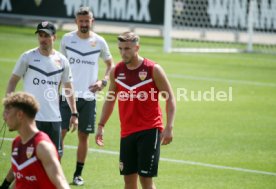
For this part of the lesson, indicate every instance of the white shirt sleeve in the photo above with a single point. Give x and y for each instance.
(67, 73)
(21, 66)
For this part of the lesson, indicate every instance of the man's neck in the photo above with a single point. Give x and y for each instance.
(84, 35)
(136, 63)
(45, 52)
(27, 131)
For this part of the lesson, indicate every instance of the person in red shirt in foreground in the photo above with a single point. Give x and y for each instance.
(35, 160)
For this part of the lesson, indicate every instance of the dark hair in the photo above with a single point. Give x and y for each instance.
(23, 101)
(128, 36)
(84, 11)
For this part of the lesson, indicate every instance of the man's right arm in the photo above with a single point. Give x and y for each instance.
(19, 70)
(107, 109)
(12, 84)
(8, 180)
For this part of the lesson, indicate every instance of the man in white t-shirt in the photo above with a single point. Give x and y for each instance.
(83, 48)
(43, 69)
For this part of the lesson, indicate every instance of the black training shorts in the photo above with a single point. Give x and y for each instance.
(53, 130)
(87, 114)
(139, 153)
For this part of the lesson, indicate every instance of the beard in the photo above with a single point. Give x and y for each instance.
(45, 46)
(11, 128)
(84, 29)
(127, 60)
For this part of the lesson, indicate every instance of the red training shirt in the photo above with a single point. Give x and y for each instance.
(137, 98)
(27, 168)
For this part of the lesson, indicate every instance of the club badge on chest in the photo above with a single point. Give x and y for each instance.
(143, 75)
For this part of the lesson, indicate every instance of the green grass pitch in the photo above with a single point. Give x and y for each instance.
(217, 144)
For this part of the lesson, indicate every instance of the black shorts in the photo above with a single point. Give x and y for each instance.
(53, 130)
(87, 114)
(139, 153)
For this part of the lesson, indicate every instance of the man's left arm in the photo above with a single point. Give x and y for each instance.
(47, 155)
(163, 85)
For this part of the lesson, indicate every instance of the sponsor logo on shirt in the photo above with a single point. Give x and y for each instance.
(30, 178)
(37, 81)
(19, 175)
(15, 152)
(121, 76)
(72, 60)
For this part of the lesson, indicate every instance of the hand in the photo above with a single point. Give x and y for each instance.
(98, 86)
(99, 136)
(5, 184)
(166, 136)
(74, 122)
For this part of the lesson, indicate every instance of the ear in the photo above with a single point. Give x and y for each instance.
(137, 47)
(55, 37)
(19, 114)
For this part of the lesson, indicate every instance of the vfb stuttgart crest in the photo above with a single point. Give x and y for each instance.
(142, 75)
(38, 2)
(58, 63)
(121, 166)
(29, 151)
(44, 24)
(93, 43)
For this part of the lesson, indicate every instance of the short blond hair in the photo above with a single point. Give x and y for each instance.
(23, 101)
(129, 36)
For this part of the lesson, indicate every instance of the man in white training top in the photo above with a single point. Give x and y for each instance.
(43, 69)
(83, 48)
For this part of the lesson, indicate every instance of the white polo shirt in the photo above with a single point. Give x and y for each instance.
(42, 76)
(83, 56)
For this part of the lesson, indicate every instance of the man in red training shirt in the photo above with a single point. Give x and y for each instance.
(35, 161)
(137, 82)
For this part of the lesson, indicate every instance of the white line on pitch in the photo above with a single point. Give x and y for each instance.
(198, 78)
(178, 161)
(185, 162)
(7, 60)
(218, 166)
